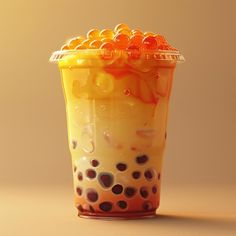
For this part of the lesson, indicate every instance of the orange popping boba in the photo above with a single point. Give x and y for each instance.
(106, 34)
(121, 38)
(93, 34)
(74, 42)
(121, 26)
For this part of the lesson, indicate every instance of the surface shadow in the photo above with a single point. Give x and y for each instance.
(175, 220)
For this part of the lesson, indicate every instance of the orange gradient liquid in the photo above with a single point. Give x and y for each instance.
(116, 116)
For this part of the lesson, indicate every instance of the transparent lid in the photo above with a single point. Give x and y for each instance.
(159, 55)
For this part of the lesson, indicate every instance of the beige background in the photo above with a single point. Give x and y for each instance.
(200, 151)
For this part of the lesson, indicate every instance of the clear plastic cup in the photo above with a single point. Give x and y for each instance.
(117, 109)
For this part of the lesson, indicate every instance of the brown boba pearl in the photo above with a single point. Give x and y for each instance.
(79, 191)
(92, 195)
(136, 174)
(117, 189)
(80, 208)
(144, 192)
(159, 176)
(80, 176)
(130, 192)
(74, 144)
(94, 163)
(105, 179)
(147, 206)
(105, 206)
(142, 159)
(91, 208)
(87, 207)
(148, 174)
(121, 166)
(90, 173)
(122, 204)
(154, 189)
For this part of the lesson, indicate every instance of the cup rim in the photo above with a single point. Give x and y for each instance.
(159, 55)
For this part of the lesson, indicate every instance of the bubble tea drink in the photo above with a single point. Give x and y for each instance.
(117, 86)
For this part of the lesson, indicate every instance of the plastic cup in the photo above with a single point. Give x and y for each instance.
(117, 109)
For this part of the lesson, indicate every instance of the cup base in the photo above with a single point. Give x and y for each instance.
(119, 216)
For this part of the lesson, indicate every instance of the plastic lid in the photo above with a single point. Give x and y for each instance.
(160, 55)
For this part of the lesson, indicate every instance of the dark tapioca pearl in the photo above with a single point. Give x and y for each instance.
(159, 176)
(79, 191)
(147, 206)
(122, 204)
(154, 189)
(91, 208)
(117, 189)
(80, 208)
(121, 166)
(87, 207)
(144, 192)
(105, 179)
(105, 206)
(92, 195)
(142, 159)
(136, 174)
(130, 192)
(148, 174)
(90, 173)
(80, 176)
(74, 144)
(94, 163)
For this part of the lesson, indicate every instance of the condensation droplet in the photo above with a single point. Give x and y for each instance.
(127, 92)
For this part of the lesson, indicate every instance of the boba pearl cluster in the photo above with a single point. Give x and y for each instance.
(121, 38)
(90, 200)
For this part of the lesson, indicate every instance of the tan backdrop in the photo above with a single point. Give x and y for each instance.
(201, 131)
